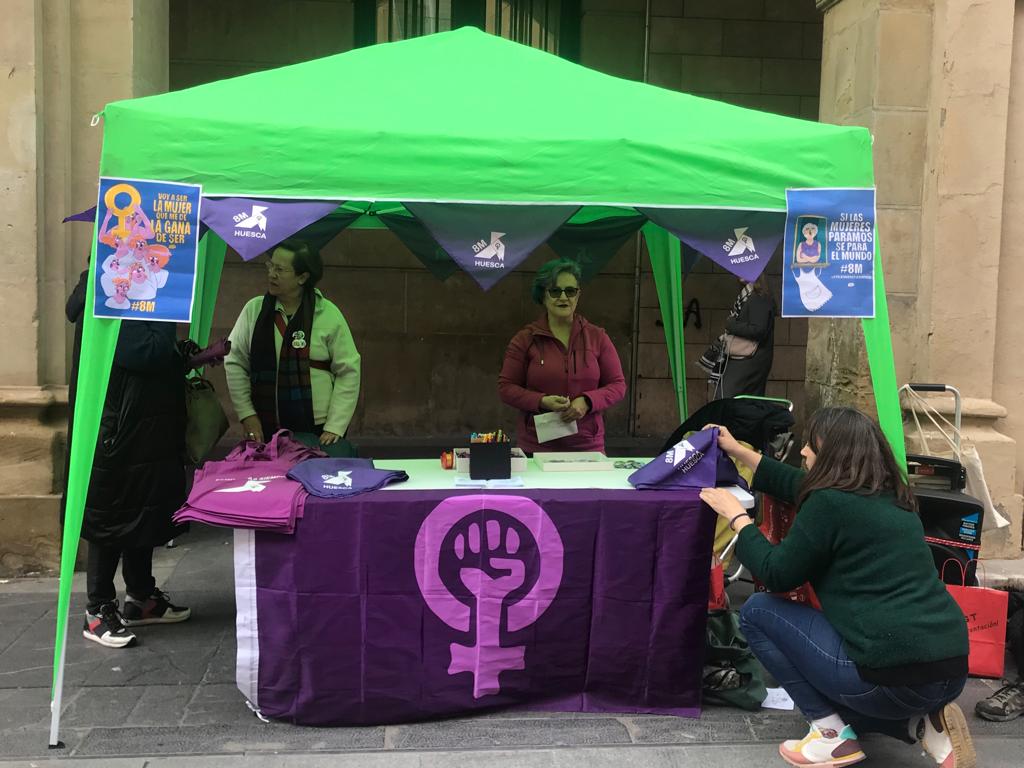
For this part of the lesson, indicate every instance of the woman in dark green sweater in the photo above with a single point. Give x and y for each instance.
(888, 651)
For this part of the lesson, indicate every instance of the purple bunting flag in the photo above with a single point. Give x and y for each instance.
(253, 227)
(88, 215)
(740, 241)
(489, 241)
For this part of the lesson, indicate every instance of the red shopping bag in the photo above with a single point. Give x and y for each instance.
(984, 610)
(717, 601)
(776, 519)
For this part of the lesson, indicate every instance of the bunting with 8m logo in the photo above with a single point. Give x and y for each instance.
(740, 241)
(489, 241)
(253, 227)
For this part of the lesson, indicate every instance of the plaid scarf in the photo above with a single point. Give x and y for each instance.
(741, 300)
(281, 389)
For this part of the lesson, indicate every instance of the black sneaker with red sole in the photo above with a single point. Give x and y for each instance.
(107, 627)
(156, 609)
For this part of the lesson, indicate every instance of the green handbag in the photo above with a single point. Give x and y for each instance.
(206, 423)
(732, 675)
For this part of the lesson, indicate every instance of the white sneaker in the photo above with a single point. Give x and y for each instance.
(825, 748)
(946, 738)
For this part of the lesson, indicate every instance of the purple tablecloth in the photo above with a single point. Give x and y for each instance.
(403, 605)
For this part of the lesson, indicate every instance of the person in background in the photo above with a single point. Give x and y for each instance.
(560, 362)
(74, 311)
(137, 481)
(293, 363)
(1008, 702)
(888, 651)
(752, 318)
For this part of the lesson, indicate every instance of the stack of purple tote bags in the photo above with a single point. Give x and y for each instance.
(250, 488)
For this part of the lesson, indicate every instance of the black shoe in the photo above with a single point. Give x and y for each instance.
(156, 609)
(1005, 704)
(106, 627)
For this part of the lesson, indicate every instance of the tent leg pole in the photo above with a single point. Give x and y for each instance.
(647, 41)
(634, 343)
(58, 696)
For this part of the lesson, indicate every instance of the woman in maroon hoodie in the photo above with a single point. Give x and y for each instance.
(561, 363)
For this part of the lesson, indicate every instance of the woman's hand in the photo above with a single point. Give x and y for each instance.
(577, 409)
(252, 428)
(726, 441)
(726, 505)
(554, 403)
(734, 449)
(329, 438)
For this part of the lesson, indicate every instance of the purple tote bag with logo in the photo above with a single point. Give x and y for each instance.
(695, 461)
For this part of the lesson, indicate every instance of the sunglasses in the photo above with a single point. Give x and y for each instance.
(570, 293)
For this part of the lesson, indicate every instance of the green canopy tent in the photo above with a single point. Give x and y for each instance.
(458, 117)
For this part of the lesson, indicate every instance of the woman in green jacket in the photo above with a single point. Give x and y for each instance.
(888, 651)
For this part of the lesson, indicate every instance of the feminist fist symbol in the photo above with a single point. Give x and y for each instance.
(492, 567)
(486, 658)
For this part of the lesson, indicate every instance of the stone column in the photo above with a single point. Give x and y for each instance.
(930, 79)
(62, 62)
(1009, 375)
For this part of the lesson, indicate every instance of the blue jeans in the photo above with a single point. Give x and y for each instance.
(805, 654)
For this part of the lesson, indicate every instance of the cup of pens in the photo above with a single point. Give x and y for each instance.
(490, 456)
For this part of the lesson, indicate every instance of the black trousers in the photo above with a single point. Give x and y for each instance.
(136, 569)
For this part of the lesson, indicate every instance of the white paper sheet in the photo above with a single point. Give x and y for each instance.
(551, 427)
(777, 698)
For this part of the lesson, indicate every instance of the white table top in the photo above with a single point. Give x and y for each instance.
(428, 475)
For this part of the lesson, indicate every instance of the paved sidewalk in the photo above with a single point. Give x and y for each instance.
(172, 702)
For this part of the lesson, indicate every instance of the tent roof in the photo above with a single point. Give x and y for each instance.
(467, 116)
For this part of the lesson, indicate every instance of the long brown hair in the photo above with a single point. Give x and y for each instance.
(760, 286)
(852, 455)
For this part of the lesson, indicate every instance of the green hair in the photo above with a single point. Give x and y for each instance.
(547, 277)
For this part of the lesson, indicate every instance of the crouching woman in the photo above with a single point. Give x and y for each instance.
(888, 651)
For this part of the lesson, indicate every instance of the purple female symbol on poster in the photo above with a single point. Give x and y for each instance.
(481, 559)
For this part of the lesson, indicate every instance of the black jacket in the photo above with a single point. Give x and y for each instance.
(756, 321)
(74, 309)
(138, 476)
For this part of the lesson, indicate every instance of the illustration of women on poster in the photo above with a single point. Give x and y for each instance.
(810, 258)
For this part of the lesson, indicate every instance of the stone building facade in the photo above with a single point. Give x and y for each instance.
(932, 79)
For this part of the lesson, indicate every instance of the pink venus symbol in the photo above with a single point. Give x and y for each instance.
(500, 548)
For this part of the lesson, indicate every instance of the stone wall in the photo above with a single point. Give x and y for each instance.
(228, 38)
(1008, 386)
(431, 351)
(931, 79)
(63, 61)
(761, 54)
(715, 291)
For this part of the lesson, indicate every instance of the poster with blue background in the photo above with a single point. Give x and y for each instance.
(146, 250)
(829, 253)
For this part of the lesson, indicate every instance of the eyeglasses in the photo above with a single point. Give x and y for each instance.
(570, 293)
(275, 269)
(628, 464)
